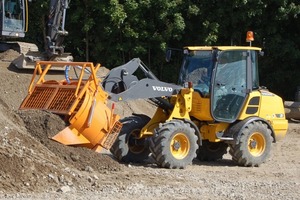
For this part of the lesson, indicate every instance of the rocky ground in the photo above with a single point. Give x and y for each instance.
(34, 167)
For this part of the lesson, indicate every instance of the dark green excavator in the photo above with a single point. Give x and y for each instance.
(14, 25)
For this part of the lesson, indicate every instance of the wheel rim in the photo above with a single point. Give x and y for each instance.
(180, 146)
(133, 145)
(256, 144)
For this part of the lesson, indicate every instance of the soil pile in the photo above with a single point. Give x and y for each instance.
(29, 159)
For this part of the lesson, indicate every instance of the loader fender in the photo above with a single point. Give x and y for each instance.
(236, 129)
(194, 126)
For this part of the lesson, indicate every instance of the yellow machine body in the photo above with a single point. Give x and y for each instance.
(191, 105)
(262, 107)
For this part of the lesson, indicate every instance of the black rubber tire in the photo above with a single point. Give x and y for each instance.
(175, 145)
(254, 145)
(128, 149)
(211, 151)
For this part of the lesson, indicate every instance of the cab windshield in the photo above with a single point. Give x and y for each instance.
(12, 17)
(197, 68)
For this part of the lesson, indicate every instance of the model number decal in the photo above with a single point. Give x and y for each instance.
(162, 89)
(266, 93)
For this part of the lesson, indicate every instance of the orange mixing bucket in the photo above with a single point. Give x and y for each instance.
(81, 101)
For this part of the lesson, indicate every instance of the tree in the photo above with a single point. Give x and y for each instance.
(280, 70)
(38, 11)
(112, 32)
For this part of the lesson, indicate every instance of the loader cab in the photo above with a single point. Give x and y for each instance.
(224, 74)
(13, 17)
(197, 67)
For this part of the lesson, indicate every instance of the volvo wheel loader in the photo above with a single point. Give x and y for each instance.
(217, 105)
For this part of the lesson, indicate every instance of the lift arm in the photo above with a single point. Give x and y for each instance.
(122, 84)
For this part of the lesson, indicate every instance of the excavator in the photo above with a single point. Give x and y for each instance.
(14, 25)
(217, 105)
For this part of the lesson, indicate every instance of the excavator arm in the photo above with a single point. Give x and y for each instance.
(55, 34)
(56, 27)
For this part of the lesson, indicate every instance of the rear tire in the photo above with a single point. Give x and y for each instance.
(175, 145)
(211, 151)
(127, 148)
(254, 145)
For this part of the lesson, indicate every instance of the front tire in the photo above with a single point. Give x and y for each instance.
(174, 145)
(254, 145)
(127, 148)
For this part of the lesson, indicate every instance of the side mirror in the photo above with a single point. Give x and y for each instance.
(168, 55)
(261, 53)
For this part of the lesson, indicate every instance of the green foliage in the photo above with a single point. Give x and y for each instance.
(36, 25)
(114, 31)
(280, 71)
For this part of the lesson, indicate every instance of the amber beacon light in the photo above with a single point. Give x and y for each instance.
(249, 37)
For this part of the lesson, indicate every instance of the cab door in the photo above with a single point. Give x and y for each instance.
(229, 88)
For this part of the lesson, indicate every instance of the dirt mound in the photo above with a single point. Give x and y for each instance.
(9, 55)
(29, 160)
(24, 163)
(43, 125)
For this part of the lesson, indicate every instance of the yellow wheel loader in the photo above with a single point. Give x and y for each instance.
(217, 104)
